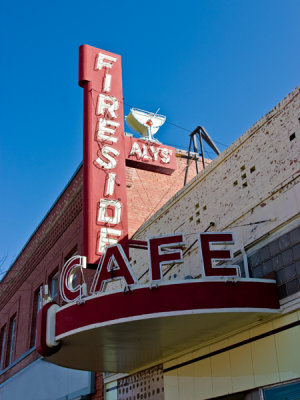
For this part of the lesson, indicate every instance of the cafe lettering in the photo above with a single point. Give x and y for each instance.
(114, 265)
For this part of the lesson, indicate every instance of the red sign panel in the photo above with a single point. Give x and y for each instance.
(150, 156)
(104, 188)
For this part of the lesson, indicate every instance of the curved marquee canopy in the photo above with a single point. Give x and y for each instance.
(121, 332)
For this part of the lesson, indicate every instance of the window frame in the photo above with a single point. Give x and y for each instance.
(54, 276)
(36, 305)
(3, 339)
(11, 341)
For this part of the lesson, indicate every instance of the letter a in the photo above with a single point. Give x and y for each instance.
(113, 265)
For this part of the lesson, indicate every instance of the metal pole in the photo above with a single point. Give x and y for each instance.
(195, 150)
(201, 146)
(188, 162)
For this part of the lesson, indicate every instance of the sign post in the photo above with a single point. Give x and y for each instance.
(104, 183)
(106, 151)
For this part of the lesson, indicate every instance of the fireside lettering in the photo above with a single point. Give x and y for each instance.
(110, 209)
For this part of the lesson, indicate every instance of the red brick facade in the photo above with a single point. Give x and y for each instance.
(99, 388)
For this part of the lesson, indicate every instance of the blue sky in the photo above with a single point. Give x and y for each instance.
(221, 64)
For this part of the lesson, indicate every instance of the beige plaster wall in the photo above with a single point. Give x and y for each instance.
(272, 359)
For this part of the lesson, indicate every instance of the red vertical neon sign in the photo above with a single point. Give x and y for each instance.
(104, 189)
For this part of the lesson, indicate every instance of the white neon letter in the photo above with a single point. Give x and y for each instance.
(115, 206)
(135, 150)
(104, 240)
(165, 154)
(112, 161)
(145, 153)
(105, 61)
(154, 151)
(108, 103)
(110, 184)
(105, 131)
(107, 83)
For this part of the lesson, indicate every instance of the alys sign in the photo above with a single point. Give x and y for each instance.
(123, 330)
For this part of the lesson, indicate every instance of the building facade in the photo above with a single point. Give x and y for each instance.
(250, 190)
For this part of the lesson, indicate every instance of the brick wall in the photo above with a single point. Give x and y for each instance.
(147, 191)
(99, 388)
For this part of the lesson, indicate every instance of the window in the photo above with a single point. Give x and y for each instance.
(289, 391)
(53, 285)
(72, 253)
(36, 307)
(2, 346)
(11, 341)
